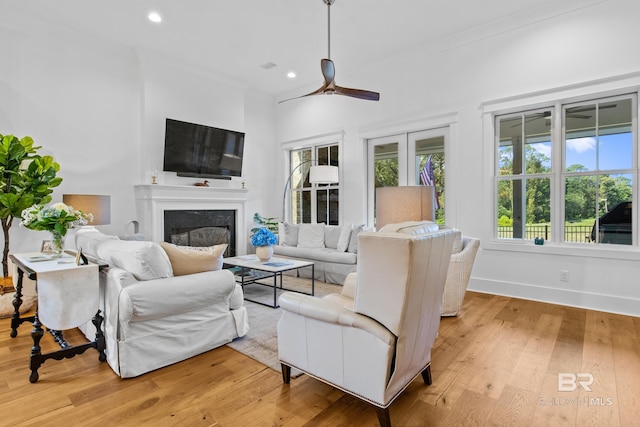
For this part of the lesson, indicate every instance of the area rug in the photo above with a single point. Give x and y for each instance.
(261, 342)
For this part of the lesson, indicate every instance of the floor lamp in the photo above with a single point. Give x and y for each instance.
(406, 203)
(318, 174)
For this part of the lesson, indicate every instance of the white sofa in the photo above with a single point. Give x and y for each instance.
(333, 249)
(153, 318)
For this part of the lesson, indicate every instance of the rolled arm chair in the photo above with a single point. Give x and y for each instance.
(375, 337)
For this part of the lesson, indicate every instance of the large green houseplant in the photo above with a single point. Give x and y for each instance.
(26, 179)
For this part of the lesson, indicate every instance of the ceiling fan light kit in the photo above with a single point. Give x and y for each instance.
(329, 71)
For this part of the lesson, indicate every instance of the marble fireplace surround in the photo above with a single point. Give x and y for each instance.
(152, 200)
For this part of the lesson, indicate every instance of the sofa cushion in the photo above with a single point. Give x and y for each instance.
(353, 239)
(145, 260)
(332, 235)
(190, 260)
(343, 240)
(317, 254)
(311, 236)
(289, 234)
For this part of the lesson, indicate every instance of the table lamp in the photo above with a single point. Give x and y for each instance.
(98, 206)
(406, 203)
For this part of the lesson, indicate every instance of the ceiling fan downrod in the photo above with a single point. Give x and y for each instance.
(328, 3)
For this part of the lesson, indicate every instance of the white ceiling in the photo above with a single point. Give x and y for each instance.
(234, 37)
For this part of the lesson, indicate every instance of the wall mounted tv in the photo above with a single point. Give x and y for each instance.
(202, 151)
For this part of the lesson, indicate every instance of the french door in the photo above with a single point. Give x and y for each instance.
(397, 160)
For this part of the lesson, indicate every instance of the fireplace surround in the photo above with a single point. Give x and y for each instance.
(158, 206)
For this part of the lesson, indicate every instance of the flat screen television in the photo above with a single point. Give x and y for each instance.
(202, 151)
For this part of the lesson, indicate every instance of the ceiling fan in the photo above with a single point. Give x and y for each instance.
(328, 71)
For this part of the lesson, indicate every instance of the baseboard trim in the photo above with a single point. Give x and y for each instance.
(571, 298)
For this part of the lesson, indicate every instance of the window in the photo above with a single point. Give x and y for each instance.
(311, 203)
(587, 160)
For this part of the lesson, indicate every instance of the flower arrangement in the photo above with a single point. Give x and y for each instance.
(57, 218)
(263, 237)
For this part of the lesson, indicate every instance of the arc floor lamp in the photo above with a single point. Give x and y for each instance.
(318, 174)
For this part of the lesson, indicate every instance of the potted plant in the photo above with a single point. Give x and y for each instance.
(26, 178)
(263, 240)
(56, 219)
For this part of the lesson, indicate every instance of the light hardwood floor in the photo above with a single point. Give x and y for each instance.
(497, 363)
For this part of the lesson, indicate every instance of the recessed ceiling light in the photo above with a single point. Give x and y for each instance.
(154, 17)
(291, 75)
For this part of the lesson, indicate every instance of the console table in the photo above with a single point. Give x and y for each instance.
(68, 296)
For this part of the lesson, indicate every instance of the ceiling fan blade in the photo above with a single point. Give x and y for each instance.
(357, 93)
(328, 70)
(319, 91)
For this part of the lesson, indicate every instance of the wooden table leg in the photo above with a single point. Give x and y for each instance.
(35, 360)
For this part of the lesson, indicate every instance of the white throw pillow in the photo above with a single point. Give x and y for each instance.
(343, 240)
(290, 234)
(145, 260)
(311, 236)
(353, 240)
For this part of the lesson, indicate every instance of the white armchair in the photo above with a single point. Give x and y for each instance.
(375, 337)
(458, 275)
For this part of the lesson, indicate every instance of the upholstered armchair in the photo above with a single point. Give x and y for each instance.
(464, 253)
(374, 338)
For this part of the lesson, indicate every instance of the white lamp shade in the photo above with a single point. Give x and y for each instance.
(323, 174)
(98, 206)
(406, 203)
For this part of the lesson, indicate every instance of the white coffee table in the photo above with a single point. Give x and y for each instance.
(252, 270)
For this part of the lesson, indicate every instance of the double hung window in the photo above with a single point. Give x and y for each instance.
(568, 172)
(313, 203)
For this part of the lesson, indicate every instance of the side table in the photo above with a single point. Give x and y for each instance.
(68, 296)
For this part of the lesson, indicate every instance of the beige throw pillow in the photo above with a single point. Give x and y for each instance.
(190, 260)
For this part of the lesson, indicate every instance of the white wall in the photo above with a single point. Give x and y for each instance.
(78, 99)
(539, 54)
(99, 109)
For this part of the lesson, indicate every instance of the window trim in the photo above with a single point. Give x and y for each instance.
(551, 98)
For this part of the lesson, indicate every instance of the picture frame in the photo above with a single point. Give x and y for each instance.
(46, 247)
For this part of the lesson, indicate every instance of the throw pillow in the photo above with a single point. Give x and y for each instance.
(353, 240)
(332, 235)
(290, 234)
(190, 260)
(145, 260)
(343, 240)
(311, 236)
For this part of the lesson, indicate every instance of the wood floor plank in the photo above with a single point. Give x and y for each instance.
(517, 347)
(626, 359)
(598, 408)
(531, 368)
(515, 407)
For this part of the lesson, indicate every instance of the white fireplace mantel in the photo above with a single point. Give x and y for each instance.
(153, 199)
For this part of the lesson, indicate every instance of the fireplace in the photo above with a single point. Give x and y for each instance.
(204, 208)
(201, 227)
